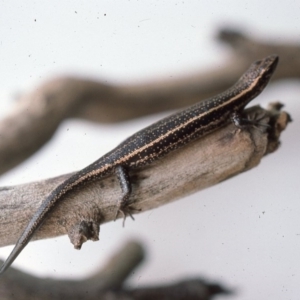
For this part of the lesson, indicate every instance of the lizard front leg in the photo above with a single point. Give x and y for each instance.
(124, 179)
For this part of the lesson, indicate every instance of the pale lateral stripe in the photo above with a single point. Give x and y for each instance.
(162, 137)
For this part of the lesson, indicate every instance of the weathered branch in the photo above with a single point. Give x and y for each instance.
(38, 114)
(107, 284)
(247, 49)
(207, 161)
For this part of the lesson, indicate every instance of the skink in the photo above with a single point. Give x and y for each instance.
(156, 141)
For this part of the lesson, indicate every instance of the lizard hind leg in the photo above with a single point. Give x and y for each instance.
(122, 206)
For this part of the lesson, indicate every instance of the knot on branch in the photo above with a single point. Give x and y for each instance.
(85, 225)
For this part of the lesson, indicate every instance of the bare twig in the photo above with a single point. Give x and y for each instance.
(38, 114)
(107, 284)
(246, 49)
(205, 162)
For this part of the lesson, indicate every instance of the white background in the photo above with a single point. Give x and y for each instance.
(244, 232)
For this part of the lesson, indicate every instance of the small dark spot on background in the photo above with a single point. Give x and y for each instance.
(34, 20)
(75, 12)
(104, 15)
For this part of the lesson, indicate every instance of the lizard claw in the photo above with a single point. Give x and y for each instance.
(125, 213)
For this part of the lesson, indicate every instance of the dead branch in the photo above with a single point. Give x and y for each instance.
(248, 49)
(203, 163)
(37, 114)
(107, 284)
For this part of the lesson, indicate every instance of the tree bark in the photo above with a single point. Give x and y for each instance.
(203, 163)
